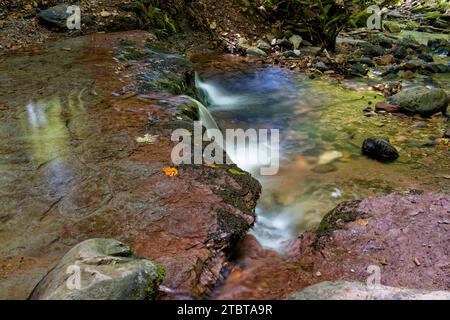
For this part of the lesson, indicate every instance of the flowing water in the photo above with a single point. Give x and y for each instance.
(322, 127)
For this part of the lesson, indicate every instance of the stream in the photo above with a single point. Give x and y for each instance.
(322, 128)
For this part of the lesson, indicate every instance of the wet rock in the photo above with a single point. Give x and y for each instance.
(359, 70)
(391, 108)
(256, 52)
(400, 52)
(426, 57)
(101, 269)
(447, 133)
(387, 232)
(437, 68)
(372, 50)
(384, 60)
(291, 54)
(439, 46)
(263, 45)
(329, 157)
(101, 183)
(379, 150)
(55, 17)
(352, 290)
(423, 101)
(284, 43)
(413, 64)
(243, 44)
(382, 40)
(296, 41)
(366, 61)
(321, 66)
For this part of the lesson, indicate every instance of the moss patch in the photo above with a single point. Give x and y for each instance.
(335, 219)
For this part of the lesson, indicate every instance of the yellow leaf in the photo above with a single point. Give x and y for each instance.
(362, 222)
(383, 262)
(171, 172)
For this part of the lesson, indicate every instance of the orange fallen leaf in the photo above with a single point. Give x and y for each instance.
(362, 222)
(211, 165)
(171, 172)
(236, 273)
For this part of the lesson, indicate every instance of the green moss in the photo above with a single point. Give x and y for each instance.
(152, 290)
(343, 213)
(433, 15)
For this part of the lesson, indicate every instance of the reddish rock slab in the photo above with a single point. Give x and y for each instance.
(72, 170)
(406, 237)
(390, 108)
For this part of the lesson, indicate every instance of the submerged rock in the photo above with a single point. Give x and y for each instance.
(100, 269)
(353, 290)
(379, 150)
(423, 101)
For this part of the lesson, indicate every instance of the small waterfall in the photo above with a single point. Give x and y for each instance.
(213, 96)
(205, 116)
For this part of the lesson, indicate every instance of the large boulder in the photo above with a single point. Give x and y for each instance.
(353, 290)
(423, 101)
(100, 269)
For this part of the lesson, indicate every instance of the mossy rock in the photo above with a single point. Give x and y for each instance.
(391, 26)
(100, 269)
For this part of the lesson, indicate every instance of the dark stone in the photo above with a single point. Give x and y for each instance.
(379, 150)
(55, 17)
(372, 50)
(285, 43)
(437, 68)
(290, 54)
(447, 132)
(400, 52)
(321, 66)
(426, 57)
(359, 70)
(366, 61)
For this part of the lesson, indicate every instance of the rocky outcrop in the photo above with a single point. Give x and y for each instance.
(352, 290)
(100, 269)
(405, 238)
(98, 171)
(423, 101)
